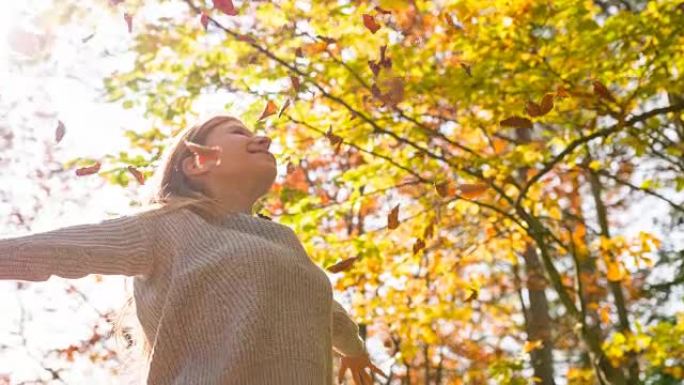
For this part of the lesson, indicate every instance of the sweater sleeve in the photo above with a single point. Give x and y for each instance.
(118, 246)
(346, 339)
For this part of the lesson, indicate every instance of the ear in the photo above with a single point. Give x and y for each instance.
(190, 167)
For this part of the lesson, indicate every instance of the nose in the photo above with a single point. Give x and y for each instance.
(264, 141)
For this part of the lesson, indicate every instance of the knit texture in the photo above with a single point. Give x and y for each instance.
(232, 304)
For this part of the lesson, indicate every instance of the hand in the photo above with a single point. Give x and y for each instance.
(357, 364)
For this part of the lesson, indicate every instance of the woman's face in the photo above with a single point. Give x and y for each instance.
(245, 160)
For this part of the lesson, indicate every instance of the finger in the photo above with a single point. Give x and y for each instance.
(379, 371)
(357, 378)
(368, 380)
(340, 374)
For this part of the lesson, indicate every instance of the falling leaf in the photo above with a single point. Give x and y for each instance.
(290, 167)
(602, 91)
(343, 265)
(204, 19)
(295, 83)
(472, 190)
(615, 273)
(546, 104)
(466, 67)
(370, 23)
(269, 110)
(561, 92)
(88, 169)
(604, 313)
(87, 38)
(129, 21)
(246, 38)
(472, 296)
(517, 122)
(225, 6)
(418, 245)
(287, 103)
(442, 188)
(137, 174)
(204, 154)
(533, 109)
(532, 345)
(60, 131)
(383, 11)
(393, 218)
(334, 139)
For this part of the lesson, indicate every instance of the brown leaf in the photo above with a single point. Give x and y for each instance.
(290, 167)
(60, 131)
(546, 104)
(370, 23)
(295, 83)
(473, 295)
(442, 188)
(602, 91)
(204, 154)
(418, 245)
(533, 109)
(393, 218)
(129, 21)
(269, 110)
(88, 169)
(561, 92)
(225, 6)
(137, 174)
(343, 265)
(383, 11)
(246, 38)
(466, 67)
(517, 122)
(375, 67)
(427, 233)
(334, 139)
(204, 19)
(287, 103)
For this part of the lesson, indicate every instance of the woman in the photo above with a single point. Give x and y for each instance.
(223, 296)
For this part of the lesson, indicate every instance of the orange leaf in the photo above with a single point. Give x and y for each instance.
(88, 169)
(517, 122)
(129, 21)
(393, 218)
(225, 6)
(615, 272)
(269, 110)
(442, 188)
(370, 23)
(60, 131)
(532, 345)
(137, 174)
(203, 154)
(499, 145)
(343, 265)
(472, 190)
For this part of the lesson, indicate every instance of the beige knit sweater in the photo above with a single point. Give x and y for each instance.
(237, 304)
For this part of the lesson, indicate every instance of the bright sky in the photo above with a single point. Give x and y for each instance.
(69, 91)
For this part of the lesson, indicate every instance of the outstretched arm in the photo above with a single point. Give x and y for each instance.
(346, 339)
(120, 246)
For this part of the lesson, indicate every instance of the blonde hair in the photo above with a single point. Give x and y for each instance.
(172, 191)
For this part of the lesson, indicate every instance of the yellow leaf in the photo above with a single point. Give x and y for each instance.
(595, 165)
(532, 345)
(615, 272)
